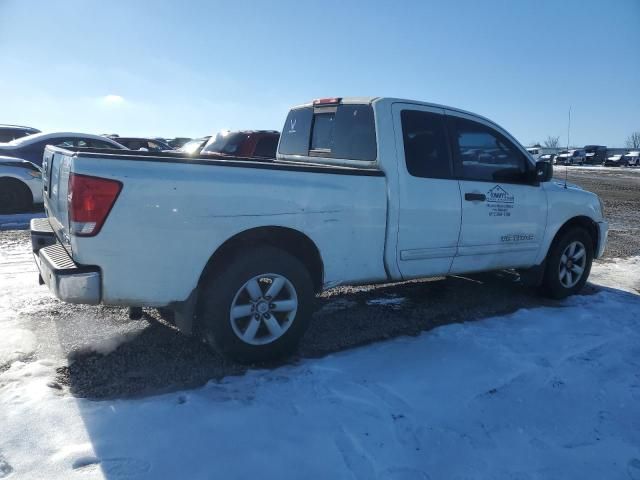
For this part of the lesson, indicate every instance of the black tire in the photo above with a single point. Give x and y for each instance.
(15, 196)
(220, 289)
(552, 285)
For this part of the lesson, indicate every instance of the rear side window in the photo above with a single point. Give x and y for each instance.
(153, 146)
(266, 147)
(100, 144)
(426, 149)
(294, 139)
(63, 142)
(8, 134)
(343, 131)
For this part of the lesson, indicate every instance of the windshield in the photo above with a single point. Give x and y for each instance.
(225, 142)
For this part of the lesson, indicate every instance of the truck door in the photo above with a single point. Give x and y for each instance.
(504, 211)
(429, 196)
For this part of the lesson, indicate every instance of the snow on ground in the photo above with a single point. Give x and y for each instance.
(616, 273)
(388, 301)
(600, 168)
(21, 298)
(551, 392)
(18, 220)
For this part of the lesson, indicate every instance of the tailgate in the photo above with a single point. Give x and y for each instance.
(56, 167)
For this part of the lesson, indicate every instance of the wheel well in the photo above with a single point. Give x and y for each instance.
(18, 183)
(287, 239)
(586, 223)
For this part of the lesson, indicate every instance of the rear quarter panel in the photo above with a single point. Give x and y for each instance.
(171, 217)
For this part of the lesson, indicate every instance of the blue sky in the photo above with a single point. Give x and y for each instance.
(152, 67)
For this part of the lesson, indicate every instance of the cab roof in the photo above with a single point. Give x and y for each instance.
(391, 100)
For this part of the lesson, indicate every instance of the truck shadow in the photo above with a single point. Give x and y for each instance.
(161, 360)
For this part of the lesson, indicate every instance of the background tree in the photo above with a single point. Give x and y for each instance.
(552, 142)
(634, 140)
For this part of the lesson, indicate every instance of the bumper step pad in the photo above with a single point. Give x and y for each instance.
(42, 234)
(66, 279)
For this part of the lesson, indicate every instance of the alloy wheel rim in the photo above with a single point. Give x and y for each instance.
(263, 309)
(572, 264)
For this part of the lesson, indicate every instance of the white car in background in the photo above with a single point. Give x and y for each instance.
(20, 185)
(535, 152)
(632, 158)
(614, 161)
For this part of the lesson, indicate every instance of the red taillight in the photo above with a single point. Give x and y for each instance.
(327, 101)
(90, 201)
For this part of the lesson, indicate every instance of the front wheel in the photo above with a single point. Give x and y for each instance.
(568, 264)
(258, 307)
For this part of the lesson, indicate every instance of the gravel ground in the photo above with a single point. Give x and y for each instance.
(620, 191)
(157, 358)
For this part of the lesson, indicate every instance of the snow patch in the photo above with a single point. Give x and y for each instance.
(549, 392)
(106, 345)
(5, 468)
(623, 274)
(16, 344)
(599, 168)
(390, 301)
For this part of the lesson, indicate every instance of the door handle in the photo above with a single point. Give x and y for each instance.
(473, 197)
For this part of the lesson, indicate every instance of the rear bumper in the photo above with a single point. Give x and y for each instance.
(67, 280)
(603, 233)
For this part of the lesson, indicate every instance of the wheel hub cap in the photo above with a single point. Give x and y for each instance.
(572, 264)
(263, 309)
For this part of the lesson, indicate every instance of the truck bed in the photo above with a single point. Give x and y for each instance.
(175, 211)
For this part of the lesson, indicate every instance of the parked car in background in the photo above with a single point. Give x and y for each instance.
(179, 142)
(614, 161)
(141, 143)
(32, 147)
(632, 159)
(548, 157)
(535, 152)
(363, 190)
(9, 133)
(20, 185)
(245, 143)
(193, 147)
(571, 157)
(595, 154)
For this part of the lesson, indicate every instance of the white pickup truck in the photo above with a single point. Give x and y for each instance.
(363, 190)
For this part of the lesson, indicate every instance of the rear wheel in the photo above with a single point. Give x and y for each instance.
(568, 264)
(258, 307)
(15, 196)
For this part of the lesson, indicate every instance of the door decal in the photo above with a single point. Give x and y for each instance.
(499, 202)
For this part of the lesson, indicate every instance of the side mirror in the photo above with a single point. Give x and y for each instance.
(544, 171)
